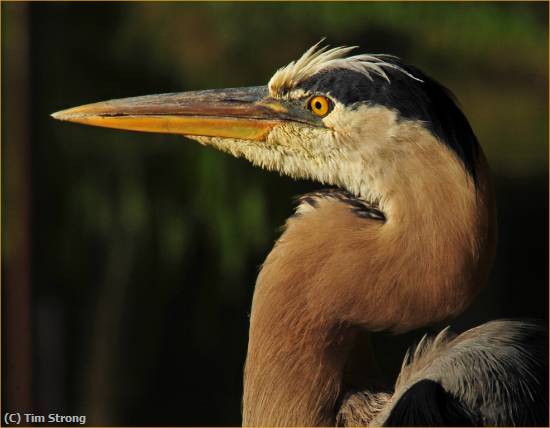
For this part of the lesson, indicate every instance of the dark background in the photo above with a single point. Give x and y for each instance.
(129, 260)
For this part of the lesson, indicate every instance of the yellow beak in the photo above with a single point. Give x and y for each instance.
(244, 113)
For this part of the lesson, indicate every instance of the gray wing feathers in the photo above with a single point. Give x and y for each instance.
(495, 375)
(497, 371)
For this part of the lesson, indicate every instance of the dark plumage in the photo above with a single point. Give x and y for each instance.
(426, 403)
(359, 207)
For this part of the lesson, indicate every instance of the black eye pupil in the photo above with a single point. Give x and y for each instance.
(318, 105)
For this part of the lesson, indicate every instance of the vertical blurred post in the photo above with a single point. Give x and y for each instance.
(16, 265)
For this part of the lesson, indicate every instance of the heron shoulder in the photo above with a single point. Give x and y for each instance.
(495, 373)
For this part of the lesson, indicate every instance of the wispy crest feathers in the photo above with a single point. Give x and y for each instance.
(319, 58)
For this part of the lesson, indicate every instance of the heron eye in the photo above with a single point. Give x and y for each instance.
(320, 105)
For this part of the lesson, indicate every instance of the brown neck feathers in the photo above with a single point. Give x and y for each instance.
(333, 271)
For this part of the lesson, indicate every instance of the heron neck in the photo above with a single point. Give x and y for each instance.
(300, 340)
(295, 363)
(333, 271)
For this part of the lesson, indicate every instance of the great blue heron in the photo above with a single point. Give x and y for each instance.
(406, 238)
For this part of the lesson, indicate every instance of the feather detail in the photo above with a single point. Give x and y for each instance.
(320, 58)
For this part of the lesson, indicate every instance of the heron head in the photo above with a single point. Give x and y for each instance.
(342, 120)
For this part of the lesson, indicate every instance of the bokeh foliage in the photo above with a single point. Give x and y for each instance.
(144, 248)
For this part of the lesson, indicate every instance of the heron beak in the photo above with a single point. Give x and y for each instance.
(242, 113)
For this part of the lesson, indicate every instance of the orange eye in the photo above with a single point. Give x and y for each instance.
(320, 105)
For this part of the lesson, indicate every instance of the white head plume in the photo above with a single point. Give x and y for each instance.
(320, 58)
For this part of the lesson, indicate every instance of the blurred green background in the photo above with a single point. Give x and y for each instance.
(129, 260)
